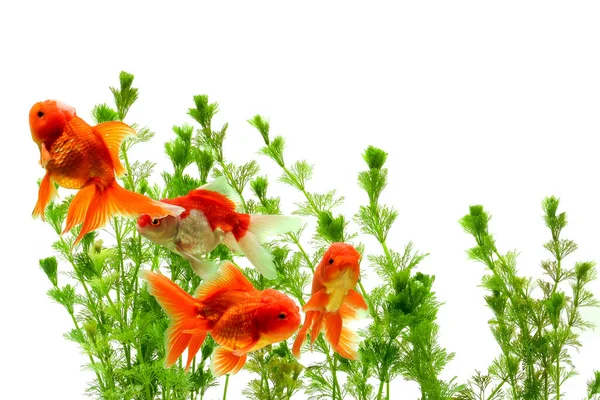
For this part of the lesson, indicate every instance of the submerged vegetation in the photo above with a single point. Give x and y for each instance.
(120, 326)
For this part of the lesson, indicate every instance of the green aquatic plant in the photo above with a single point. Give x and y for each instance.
(536, 323)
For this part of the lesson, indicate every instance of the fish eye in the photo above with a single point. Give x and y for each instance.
(155, 221)
(40, 113)
(282, 315)
(331, 261)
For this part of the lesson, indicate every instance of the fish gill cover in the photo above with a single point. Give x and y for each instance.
(121, 328)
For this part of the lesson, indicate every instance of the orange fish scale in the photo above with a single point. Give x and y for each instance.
(79, 155)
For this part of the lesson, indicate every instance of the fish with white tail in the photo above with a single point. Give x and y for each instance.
(210, 218)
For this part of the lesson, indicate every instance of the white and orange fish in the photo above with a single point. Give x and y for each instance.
(334, 301)
(210, 218)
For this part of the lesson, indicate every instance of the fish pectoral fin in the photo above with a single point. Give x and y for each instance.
(204, 269)
(317, 302)
(355, 300)
(225, 362)
(46, 194)
(247, 349)
(45, 156)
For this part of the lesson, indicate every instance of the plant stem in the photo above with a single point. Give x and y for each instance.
(380, 391)
(334, 374)
(387, 389)
(225, 389)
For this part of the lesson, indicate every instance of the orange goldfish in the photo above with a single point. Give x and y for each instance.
(77, 155)
(210, 217)
(239, 317)
(334, 301)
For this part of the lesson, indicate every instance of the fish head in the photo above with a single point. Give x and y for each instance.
(47, 120)
(277, 317)
(161, 231)
(340, 263)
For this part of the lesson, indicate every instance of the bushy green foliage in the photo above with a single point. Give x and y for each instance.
(536, 322)
(120, 327)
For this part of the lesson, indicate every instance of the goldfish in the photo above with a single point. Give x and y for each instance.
(240, 318)
(211, 218)
(77, 155)
(334, 301)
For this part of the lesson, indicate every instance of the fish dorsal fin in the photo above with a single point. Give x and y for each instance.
(113, 133)
(221, 186)
(228, 277)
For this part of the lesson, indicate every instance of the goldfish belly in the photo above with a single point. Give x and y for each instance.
(338, 289)
(73, 167)
(196, 235)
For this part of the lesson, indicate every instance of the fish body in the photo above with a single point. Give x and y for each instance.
(77, 155)
(334, 301)
(240, 318)
(211, 218)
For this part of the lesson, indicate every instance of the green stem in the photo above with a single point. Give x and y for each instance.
(334, 374)
(226, 384)
(387, 389)
(380, 391)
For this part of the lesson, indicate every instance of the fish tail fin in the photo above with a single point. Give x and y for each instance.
(47, 192)
(186, 330)
(342, 339)
(257, 229)
(113, 133)
(260, 257)
(268, 226)
(225, 362)
(113, 200)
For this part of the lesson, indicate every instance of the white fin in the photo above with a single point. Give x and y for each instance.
(231, 243)
(260, 257)
(266, 226)
(220, 185)
(204, 269)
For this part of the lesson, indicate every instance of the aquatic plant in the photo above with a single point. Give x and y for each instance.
(120, 327)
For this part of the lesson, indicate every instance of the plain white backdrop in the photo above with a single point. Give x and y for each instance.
(476, 103)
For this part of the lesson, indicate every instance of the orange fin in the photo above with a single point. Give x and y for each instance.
(186, 328)
(317, 302)
(45, 156)
(343, 340)
(115, 200)
(113, 133)
(46, 194)
(348, 344)
(246, 349)
(228, 277)
(355, 300)
(333, 328)
(193, 348)
(79, 207)
(225, 362)
(316, 328)
(301, 337)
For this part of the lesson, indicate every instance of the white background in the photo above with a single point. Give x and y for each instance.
(476, 103)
